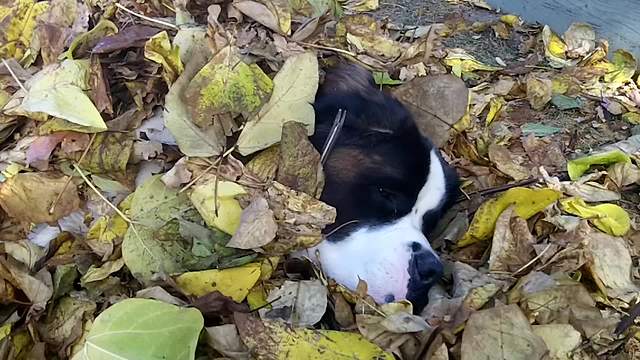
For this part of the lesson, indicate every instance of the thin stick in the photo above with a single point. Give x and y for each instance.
(333, 135)
(533, 260)
(57, 200)
(321, 47)
(115, 208)
(198, 177)
(160, 22)
(13, 75)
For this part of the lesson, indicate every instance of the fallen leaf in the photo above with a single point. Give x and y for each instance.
(29, 196)
(18, 26)
(512, 243)
(383, 78)
(233, 282)
(540, 130)
(63, 324)
(538, 91)
(580, 39)
(294, 89)
(621, 68)
(631, 117)
(561, 339)
(216, 202)
(609, 218)
(257, 226)
(365, 36)
(109, 153)
(270, 339)
(191, 140)
(102, 272)
(462, 63)
(84, 43)
(564, 102)
(159, 49)
(105, 234)
(158, 293)
(178, 175)
(507, 162)
(610, 265)
(579, 166)
(624, 173)
(554, 48)
(227, 85)
(37, 287)
(499, 333)
(129, 37)
(299, 165)
(25, 252)
(527, 203)
(226, 340)
(298, 303)
(58, 90)
(169, 331)
(276, 15)
(436, 102)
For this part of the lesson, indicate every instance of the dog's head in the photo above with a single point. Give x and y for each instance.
(389, 186)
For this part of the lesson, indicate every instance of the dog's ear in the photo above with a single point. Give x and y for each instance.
(347, 79)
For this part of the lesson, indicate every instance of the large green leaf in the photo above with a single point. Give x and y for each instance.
(143, 329)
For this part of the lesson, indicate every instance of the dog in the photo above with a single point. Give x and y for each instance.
(389, 185)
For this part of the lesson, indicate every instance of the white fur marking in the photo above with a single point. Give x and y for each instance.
(433, 191)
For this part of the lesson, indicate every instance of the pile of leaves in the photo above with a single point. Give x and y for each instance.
(156, 174)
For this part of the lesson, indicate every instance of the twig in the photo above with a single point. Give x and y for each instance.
(498, 189)
(628, 319)
(115, 208)
(321, 47)
(160, 22)
(198, 177)
(13, 75)
(532, 260)
(333, 135)
(57, 200)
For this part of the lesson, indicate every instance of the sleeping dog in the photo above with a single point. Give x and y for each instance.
(389, 186)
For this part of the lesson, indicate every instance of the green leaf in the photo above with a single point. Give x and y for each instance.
(579, 166)
(383, 78)
(294, 89)
(564, 102)
(59, 91)
(539, 130)
(143, 329)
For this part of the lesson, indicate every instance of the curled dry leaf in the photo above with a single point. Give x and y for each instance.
(609, 218)
(159, 49)
(512, 243)
(226, 340)
(507, 162)
(539, 91)
(178, 175)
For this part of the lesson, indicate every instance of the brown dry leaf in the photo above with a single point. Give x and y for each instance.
(63, 325)
(624, 173)
(512, 244)
(37, 287)
(436, 103)
(257, 226)
(274, 14)
(580, 39)
(178, 175)
(501, 333)
(366, 37)
(226, 340)
(544, 152)
(301, 219)
(29, 196)
(610, 264)
(41, 148)
(507, 162)
(299, 165)
(298, 303)
(539, 91)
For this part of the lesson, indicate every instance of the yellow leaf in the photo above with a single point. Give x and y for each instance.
(622, 67)
(579, 166)
(84, 42)
(539, 91)
(158, 48)
(257, 297)
(294, 89)
(511, 20)
(609, 218)
(58, 90)
(5, 330)
(204, 199)
(462, 62)
(17, 24)
(495, 108)
(233, 282)
(275, 340)
(527, 203)
(362, 5)
(631, 117)
(554, 48)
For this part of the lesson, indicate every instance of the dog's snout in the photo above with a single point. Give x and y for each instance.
(425, 270)
(428, 267)
(416, 247)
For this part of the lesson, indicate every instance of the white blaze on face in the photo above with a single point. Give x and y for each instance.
(380, 254)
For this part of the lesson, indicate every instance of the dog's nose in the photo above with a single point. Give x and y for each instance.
(425, 270)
